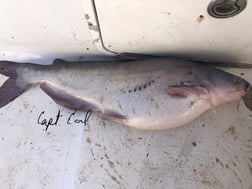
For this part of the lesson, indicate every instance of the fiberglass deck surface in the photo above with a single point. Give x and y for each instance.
(214, 151)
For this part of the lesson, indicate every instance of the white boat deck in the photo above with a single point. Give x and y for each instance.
(214, 151)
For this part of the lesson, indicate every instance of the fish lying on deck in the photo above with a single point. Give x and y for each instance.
(152, 94)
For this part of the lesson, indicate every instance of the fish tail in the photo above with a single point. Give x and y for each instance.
(10, 90)
(8, 68)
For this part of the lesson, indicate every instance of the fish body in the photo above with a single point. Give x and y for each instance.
(151, 94)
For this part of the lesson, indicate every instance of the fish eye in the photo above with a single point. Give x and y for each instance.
(247, 85)
(237, 80)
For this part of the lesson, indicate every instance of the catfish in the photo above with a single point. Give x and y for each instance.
(149, 94)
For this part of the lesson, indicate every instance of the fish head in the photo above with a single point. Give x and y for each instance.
(223, 87)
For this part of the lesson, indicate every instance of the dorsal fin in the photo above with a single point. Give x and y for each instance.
(58, 61)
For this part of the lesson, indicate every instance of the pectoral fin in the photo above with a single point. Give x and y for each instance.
(182, 91)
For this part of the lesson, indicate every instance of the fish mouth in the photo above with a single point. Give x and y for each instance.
(247, 98)
(248, 87)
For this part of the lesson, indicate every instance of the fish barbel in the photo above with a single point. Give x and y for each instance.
(151, 94)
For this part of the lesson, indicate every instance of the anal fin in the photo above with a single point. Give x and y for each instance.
(67, 100)
(114, 116)
(62, 98)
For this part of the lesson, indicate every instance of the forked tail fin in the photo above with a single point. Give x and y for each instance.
(8, 68)
(10, 90)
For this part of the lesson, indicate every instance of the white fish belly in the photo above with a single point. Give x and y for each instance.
(154, 109)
